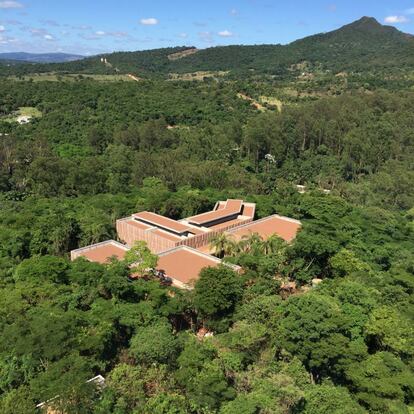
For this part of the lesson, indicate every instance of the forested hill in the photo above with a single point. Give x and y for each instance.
(359, 46)
(39, 57)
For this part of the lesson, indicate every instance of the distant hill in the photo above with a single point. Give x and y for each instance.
(364, 45)
(39, 57)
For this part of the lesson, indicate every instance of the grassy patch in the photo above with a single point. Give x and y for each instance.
(198, 76)
(28, 111)
(270, 100)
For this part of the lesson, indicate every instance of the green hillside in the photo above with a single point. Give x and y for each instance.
(362, 45)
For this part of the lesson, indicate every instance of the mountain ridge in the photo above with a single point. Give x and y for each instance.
(40, 57)
(362, 45)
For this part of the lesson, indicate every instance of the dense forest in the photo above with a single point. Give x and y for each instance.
(101, 150)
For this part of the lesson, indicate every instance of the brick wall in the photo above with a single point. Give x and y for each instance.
(129, 234)
(202, 240)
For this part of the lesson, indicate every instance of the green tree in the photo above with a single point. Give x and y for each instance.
(382, 383)
(154, 343)
(217, 292)
(391, 331)
(140, 258)
(41, 269)
(330, 399)
(223, 245)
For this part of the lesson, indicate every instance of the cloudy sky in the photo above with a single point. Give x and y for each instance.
(95, 26)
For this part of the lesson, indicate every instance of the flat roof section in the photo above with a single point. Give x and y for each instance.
(166, 235)
(284, 227)
(184, 264)
(249, 209)
(232, 208)
(161, 221)
(102, 252)
(227, 223)
(234, 204)
(139, 224)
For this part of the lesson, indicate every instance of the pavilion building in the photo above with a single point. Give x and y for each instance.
(182, 246)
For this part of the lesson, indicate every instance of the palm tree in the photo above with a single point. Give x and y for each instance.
(250, 242)
(223, 245)
(273, 244)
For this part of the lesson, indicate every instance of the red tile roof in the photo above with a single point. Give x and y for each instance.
(161, 221)
(284, 227)
(102, 252)
(234, 205)
(185, 264)
(139, 224)
(228, 223)
(249, 210)
(166, 235)
(232, 208)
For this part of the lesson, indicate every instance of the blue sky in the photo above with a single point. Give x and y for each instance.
(90, 27)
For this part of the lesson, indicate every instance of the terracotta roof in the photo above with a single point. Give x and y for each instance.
(249, 210)
(102, 252)
(227, 223)
(232, 208)
(139, 224)
(220, 205)
(184, 263)
(234, 205)
(166, 235)
(284, 227)
(161, 221)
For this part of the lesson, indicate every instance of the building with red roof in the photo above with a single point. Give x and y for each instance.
(183, 245)
(161, 233)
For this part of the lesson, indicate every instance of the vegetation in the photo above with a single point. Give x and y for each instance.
(364, 45)
(268, 340)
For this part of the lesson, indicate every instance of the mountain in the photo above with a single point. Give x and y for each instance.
(364, 45)
(39, 57)
(361, 45)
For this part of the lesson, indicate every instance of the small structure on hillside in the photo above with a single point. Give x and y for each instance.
(23, 119)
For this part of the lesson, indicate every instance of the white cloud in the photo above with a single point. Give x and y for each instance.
(5, 40)
(150, 21)
(206, 37)
(225, 33)
(183, 35)
(10, 5)
(395, 19)
(2, 28)
(48, 37)
(99, 34)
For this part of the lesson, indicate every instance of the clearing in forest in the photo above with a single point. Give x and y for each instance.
(271, 100)
(198, 76)
(254, 103)
(182, 54)
(23, 114)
